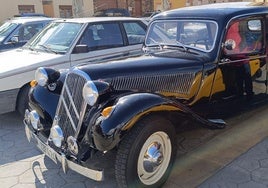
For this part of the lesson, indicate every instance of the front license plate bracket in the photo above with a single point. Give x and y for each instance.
(47, 151)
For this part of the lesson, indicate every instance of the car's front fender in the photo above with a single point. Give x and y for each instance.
(128, 109)
(44, 102)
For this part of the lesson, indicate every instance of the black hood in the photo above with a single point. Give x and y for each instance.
(144, 65)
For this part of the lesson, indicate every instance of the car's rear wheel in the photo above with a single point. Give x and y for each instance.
(146, 155)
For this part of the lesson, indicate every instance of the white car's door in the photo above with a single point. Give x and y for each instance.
(108, 40)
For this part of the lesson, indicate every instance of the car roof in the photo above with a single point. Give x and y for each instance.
(216, 11)
(22, 20)
(30, 14)
(97, 19)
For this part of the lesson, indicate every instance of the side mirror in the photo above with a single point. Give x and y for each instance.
(81, 48)
(229, 44)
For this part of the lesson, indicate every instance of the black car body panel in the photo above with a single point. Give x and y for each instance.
(127, 105)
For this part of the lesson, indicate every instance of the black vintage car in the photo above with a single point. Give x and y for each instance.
(132, 107)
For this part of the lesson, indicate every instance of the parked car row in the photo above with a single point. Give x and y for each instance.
(62, 44)
(133, 106)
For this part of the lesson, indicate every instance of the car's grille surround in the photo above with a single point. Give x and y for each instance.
(174, 82)
(71, 106)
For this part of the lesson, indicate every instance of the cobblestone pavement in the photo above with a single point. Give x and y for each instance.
(205, 158)
(22, 165)
(250, 170)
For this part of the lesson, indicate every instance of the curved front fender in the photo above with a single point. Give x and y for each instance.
(44, 102)
(127, 111)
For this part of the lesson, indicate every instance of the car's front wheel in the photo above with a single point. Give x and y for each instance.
(146, 155)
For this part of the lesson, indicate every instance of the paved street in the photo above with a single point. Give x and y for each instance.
(22, 165)
(206, 158)
(250, 170)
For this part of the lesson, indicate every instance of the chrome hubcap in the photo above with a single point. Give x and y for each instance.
(154, 158)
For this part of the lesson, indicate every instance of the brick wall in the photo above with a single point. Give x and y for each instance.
(145, 5)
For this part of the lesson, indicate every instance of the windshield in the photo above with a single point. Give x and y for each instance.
(5, 29)
(56, 38)
(198, 34)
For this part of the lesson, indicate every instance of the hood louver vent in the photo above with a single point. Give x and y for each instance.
(177, 83)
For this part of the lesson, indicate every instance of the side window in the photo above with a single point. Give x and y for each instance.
(110, 35)
(244, 37)
(90, 37)
(135, 32)
(102, 36)
(27, 31)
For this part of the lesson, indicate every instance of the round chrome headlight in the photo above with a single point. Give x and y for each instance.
(56, 135)
(90, 93)
(34, 119)
(41, 76)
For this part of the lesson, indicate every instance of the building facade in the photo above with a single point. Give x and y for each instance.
(77, 8)
(136, 7)
(163, 5)
(85, 8)
(52, 8)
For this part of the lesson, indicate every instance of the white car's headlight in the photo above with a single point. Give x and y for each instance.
(41, 76)
(90, 93)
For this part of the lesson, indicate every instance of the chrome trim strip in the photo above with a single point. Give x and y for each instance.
(83, 110)
(79, 72)
(228, 61)
(72, 102)
(69, 115)
(58, 107)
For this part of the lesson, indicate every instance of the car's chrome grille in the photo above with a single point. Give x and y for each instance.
(177, 83)
(71, 106)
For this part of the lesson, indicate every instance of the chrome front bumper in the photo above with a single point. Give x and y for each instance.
(56, 157)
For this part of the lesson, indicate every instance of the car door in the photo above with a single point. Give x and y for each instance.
(105, 40)
(244, 45)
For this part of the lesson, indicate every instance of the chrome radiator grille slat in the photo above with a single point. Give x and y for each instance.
(71, 106)
(177, 83)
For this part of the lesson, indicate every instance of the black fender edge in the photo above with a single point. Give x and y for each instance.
(131, 108)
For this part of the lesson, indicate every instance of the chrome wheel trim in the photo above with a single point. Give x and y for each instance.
(163, 154)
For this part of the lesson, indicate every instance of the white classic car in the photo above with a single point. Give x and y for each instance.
(62, 44)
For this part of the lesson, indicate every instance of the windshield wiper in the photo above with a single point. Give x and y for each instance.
(31, 48)
(156, 46)
(162, 46)
(48, 48)
(181, 45)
